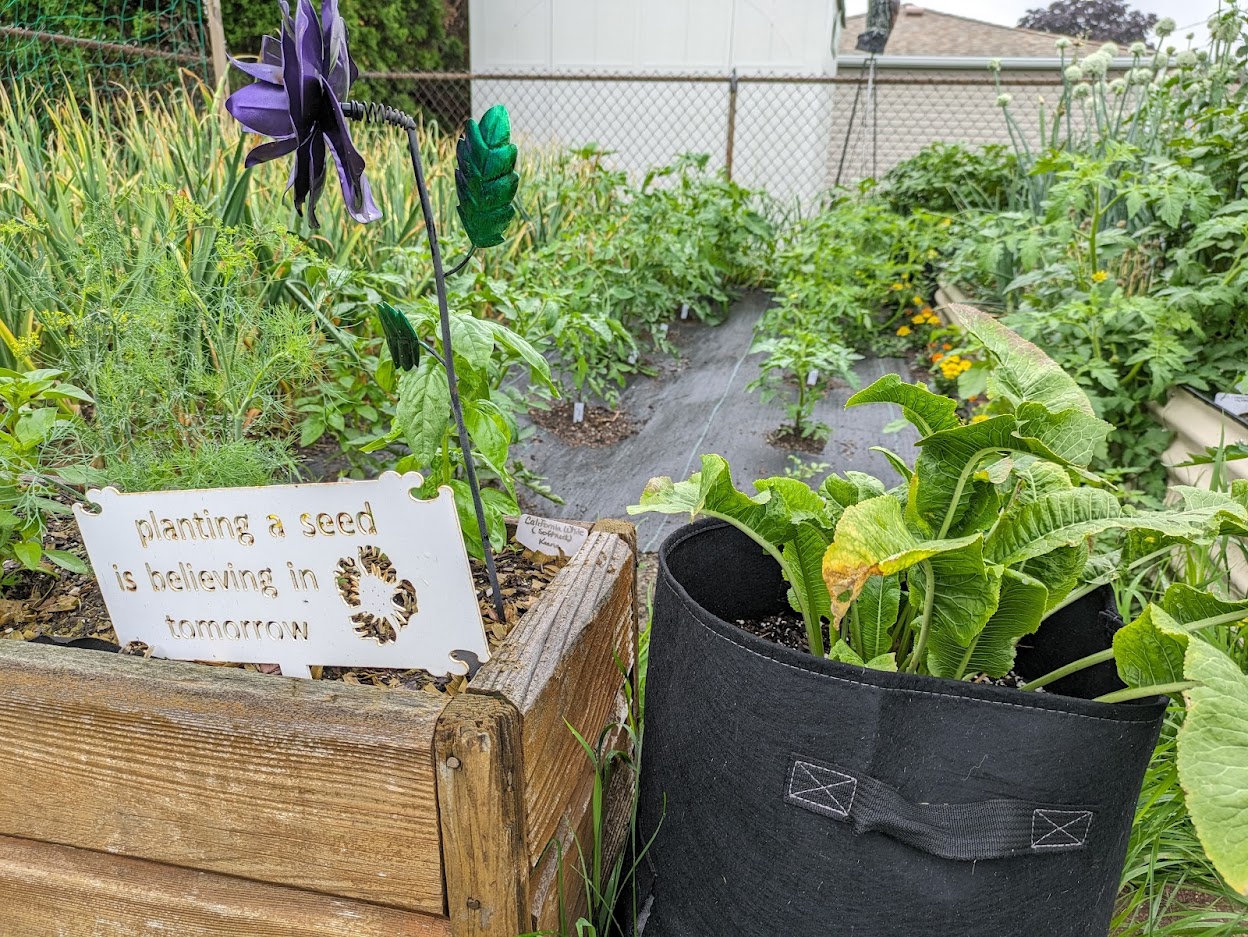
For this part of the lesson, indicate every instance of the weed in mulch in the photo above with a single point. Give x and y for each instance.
(601, 427)
(65, 606)
(795, 442)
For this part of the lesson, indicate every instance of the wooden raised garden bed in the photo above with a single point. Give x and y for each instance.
(157, 797)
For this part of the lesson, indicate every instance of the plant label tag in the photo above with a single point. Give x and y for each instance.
(812, 378)
(684, 310)
(552, 538)
(664, 327)
(632, 358)
(578, 412)
(347, 574)
(1232, 403)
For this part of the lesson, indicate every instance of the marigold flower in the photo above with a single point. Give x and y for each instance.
(946, 346)
(1100, 276)
(904, 331)
(936, 357)
(917, 300)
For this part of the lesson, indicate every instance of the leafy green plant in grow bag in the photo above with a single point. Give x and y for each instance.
(988, 534)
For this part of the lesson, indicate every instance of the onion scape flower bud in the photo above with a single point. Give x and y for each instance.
(1137, 48)
(1062, 43)
(1185, 59)
(1110, 49)
(1073, 73)
(1082, 91)
(1003, 100)
(1118, 86)
(994, 65)
(1165, 27)
(301, 82)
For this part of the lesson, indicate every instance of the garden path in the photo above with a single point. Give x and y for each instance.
(698, 404)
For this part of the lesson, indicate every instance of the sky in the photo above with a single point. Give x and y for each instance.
(1189, 15)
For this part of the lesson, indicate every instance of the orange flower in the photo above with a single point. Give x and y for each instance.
(937, 356)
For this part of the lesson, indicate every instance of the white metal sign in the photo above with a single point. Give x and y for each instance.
(350, 574)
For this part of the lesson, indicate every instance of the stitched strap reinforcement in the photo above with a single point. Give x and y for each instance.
(989, 829)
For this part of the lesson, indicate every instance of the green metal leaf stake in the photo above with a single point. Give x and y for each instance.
(299, 98)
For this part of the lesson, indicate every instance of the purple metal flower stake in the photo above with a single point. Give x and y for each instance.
(299, 99)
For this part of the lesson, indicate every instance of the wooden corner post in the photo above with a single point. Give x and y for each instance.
(477, 750)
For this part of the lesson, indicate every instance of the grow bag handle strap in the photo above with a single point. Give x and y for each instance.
(988, 829)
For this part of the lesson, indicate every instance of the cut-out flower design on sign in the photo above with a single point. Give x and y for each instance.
(380, 602)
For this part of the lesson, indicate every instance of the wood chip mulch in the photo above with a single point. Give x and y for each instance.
(601, 427)
(60, 606)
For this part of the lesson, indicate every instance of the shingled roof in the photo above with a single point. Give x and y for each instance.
(923, 31)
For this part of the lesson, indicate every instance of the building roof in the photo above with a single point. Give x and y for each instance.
(923, 31)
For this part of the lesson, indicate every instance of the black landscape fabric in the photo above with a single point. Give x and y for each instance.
(800, 796)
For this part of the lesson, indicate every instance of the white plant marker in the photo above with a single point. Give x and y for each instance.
(1235, 403)
(632, 358)
(684, 310)
(812, 378)
(578, 412)
(543, 535)
(664, 327)
(349, 574)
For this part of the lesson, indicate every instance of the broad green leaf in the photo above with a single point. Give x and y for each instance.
(1213, 759)
(966, 593)
(802, 503)
(874, 615)
(485, 177)
(872, 540)
(1023, 373)
(887, 662)
(1149, 650)
(539, 367)
(67, 560)
(472, 340)
(927, 412)
(488, 431)
(1186, 604)
(28, 553)
(946, 494)
(1039, 478)
(423, 410)
(710, 492)
(804, 554)
(846, 654)
(34, 426)
(1072, 434)
(896, 461)
(1019, 611)
(401, 338)
(1068, 518)
(1058, 571)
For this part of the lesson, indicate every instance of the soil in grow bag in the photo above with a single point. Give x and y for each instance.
(801, 796)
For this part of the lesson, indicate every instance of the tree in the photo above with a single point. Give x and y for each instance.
(1102, 20)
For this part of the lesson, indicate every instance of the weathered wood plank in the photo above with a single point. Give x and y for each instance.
(53, 891)
(320, 786)
(565, 664)
(480, 774)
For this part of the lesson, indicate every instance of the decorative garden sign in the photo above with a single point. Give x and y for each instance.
(353, 573)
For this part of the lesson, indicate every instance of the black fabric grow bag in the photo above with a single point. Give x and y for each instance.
(801, 796)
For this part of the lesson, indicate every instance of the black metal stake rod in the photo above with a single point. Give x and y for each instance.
(389, 115)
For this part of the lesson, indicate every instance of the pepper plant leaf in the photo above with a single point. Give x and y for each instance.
(926, 411)
(423, 410)
(401, 338)
(485, 177)
(872, 539)
(1213, 759)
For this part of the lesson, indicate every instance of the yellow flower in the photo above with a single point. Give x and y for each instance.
(1100, 276)
(919, 319)
(904, 331)
(979, 417)
(946, 222)
(917, 300)
(931, 254)
(897, 286)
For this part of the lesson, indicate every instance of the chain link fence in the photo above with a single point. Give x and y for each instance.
(792, 135)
